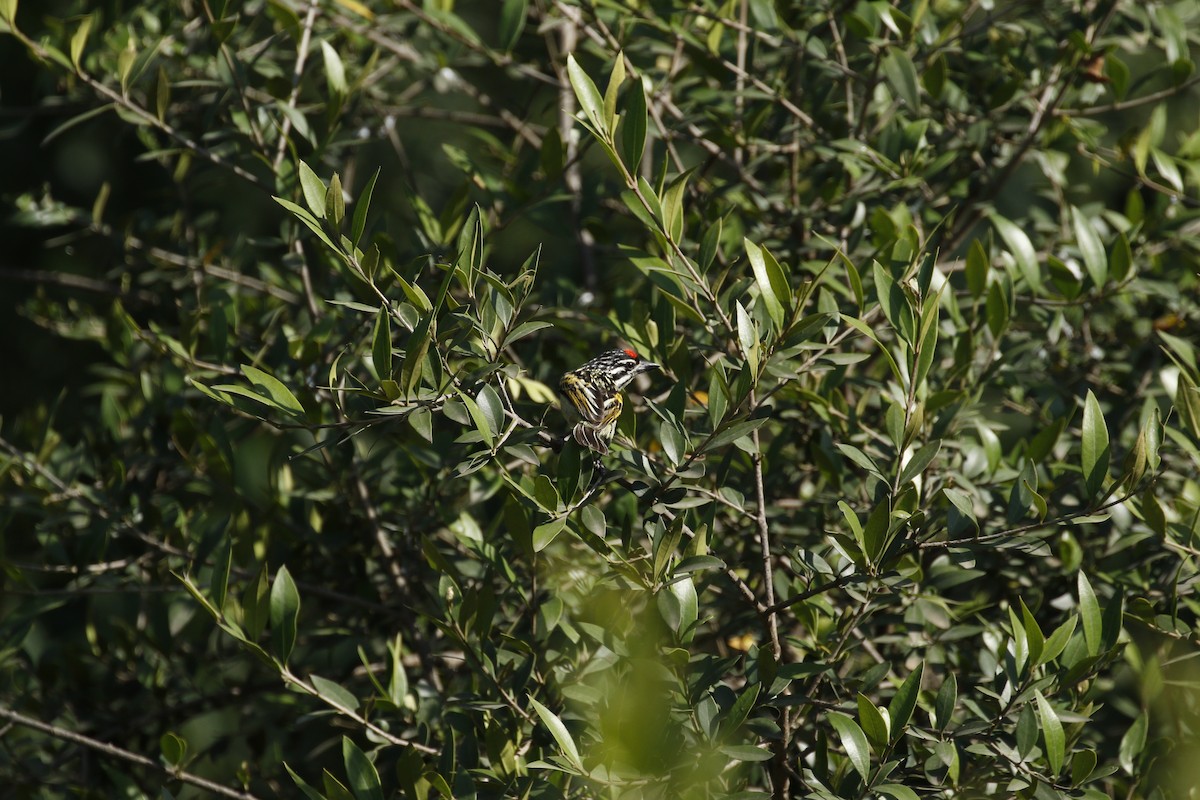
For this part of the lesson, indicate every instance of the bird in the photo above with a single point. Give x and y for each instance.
(593, 393)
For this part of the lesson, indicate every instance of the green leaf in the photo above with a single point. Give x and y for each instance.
(311, 222)
(898, 791)
(334, 693)
(852, 522)
(875, 531)
(173, 748)
(697, 564)
(615, 79)
(1095, 260)
(747, 338)
(162, 95)
(1095, 451)
(902, 75)
(1021, 248)
(672, 207)
(928, 342)
(1167, 168)
(900, 709)
(335, 71)
(633, 128)
(1027, 731)
(1133, 742)
(512, 21)
(685, 607)
(733, 432)
(1052, 734)
(8, 12)
(997, 309)
(492, 408)
(746, 752)
(335, 203)
(740, 709)
(891, 296)
(358, 223)
(854, 741)
(398, 681)
(381, 345)
(125, 61)
(1034, 638)
(873, 721)
(1121, 262)
(772, 284)
(1152, 431)
(977, 268)
(279, 394)
(79, 39)
(314, 190)
(919, 461)
(414, 354)
(364, 779)
(305, 789)
(285, 611)
(545, 533)
(479, 419)
(1083, 763)
(588, 95)
(256, 604)
(947, 698)
(1056, 642)
(560, 733)
(218, 583)
(1089, 611)
(1112, 622)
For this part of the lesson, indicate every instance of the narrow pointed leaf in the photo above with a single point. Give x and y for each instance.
(381, 346)
(314, 190)
(1095, 260)
(362, 775)
(285, 611)
(767, 284)
(900, 709)
(1089, 612)
(854, 741)
(1095, 452)
(1052, 734)
(560, 733)
(588, 95)
(1021, 248)
(358, 222)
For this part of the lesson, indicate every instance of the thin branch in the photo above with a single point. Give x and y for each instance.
(572, 172)
(174, 773)
(293, 679)
(151, 120)
(1133, 102)
(739, 89)
(285, 126)
(74, 282)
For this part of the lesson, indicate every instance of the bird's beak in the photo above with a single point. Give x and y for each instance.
(648, 365)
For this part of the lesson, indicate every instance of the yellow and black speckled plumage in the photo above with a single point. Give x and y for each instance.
(593, 394)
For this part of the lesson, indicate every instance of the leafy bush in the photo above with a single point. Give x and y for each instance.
(910, 511)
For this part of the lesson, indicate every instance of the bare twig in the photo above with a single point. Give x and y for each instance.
(174, 773)
(285, 127)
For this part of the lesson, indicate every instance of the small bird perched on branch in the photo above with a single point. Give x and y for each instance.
(593, 393)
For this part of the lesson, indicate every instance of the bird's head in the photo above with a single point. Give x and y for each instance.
(625, 364)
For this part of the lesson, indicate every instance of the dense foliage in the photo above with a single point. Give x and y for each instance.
(910, 511)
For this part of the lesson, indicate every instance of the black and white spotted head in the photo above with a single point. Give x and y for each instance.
(619, 366)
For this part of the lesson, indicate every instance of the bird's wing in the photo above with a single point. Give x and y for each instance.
(584, 396)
